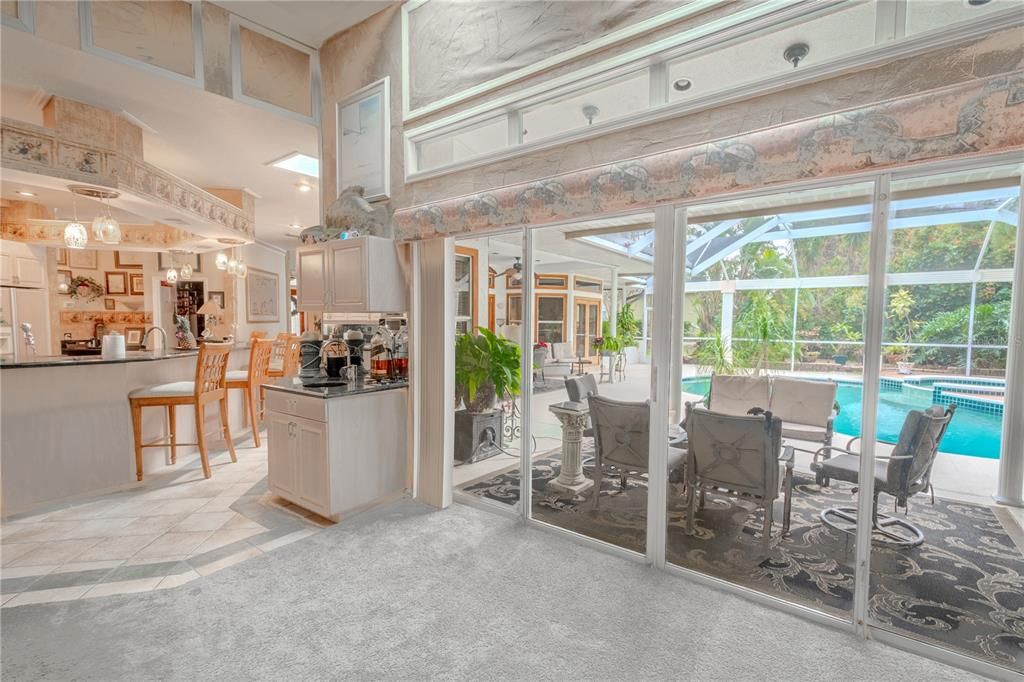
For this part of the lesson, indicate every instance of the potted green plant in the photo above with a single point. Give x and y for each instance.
(486, 367)
(628, 328)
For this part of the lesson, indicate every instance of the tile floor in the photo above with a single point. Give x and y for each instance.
(176, 528)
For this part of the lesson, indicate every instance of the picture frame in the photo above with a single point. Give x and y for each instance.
(124, 260)
(64, 277)
(62, 256)
(109, 304)
(363, 127)
(136, 284)
(262, 296)
(166, 260)
(217, 296)
(133, 336)
(82, 259)
(116, 283)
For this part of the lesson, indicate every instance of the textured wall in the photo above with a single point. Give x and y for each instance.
(274, 72)
(157, 33)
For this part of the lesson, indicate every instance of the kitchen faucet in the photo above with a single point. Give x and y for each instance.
(149, 331)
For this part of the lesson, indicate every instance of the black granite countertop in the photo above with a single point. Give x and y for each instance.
(327, 387)
(79, 360)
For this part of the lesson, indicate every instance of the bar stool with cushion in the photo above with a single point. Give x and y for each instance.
(284, 360)
(251, 380)
(208, 387)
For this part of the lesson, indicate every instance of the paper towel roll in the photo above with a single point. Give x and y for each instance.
(113, 346)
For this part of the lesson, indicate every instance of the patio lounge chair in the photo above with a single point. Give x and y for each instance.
(580, 388)
(737, 394)
(737, 455)
(806, 409)
(903, 474)
(622, 437)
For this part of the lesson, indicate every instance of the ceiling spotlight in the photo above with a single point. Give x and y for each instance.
(303, 187)
(294, 226)
(682, 84)
(977, 3)
(590, 112)
(796, 53)
(23, 193)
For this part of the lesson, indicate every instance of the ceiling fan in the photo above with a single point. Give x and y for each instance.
(515, 270)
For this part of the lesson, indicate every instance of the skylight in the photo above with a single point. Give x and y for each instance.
(299, 163)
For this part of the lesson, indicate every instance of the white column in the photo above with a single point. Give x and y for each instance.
(642, 347)
(526, 380)
(613, 304)
(728, 299)
(678, 294)
(1011, 459)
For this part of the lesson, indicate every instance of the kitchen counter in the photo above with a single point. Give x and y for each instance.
(329, 387)
(130, 356)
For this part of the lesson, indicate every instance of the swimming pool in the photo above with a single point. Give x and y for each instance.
(973, 432)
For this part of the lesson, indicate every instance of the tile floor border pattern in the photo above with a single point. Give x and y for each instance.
(175, 529)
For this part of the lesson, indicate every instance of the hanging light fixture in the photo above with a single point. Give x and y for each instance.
(172, 272)
(221, 261)
(233, 263)
(185, 272)
(75, 234)
(242, 270)
(110, 232)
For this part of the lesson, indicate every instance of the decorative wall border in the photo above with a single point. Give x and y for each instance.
(979, 117)
(40, 150)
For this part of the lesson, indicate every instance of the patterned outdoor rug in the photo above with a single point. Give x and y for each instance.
(963, 588)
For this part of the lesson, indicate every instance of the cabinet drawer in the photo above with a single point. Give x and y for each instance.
(308, 407)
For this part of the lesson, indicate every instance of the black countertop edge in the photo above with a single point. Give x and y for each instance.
(295, 385)
(90, 360)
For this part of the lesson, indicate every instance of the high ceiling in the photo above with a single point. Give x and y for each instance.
(307, 21)
(206, 139)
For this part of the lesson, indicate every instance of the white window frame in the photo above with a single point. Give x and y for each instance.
(26, 19)
(757, 19)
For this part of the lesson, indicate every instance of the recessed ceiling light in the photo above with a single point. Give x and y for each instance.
(23, 193)
(682, 84)
(303, 187)
(977, 3)
(294, 226)
(296, 162)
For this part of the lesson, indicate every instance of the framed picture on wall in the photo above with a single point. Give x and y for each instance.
(109, 304)
(262, 296)
(82, 259)
(133, 336)
(62, 256)
(117, 283)
(363, 123)
(218, 297)
(124, 260)
(136, 283)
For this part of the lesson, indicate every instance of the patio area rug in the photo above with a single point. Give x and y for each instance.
(963, 588)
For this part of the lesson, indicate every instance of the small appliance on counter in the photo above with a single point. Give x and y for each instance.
(113, 346)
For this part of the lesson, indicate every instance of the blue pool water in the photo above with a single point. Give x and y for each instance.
(972, 432)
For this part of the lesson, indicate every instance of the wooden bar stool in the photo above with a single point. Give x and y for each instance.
(284, 361)
(251, 380)
(208, 387)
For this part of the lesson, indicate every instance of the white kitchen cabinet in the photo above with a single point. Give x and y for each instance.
(359, 275)
(22, 265)
(339, 454)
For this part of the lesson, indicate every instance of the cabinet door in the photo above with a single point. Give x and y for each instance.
(28, 271)
(348, 277)
(6, 271)
(281, 453)
(312, 279)
(313, 470)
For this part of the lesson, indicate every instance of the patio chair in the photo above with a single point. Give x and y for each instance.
(806, 408)
(903, 474)
(622, 437)
(738, 456)
(580, 388)
(540, 356)
(738, 395)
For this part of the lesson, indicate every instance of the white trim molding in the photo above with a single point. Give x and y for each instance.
(88, 44)
(235, 27)
(408, 113)
(383, 88)
(757, 19)
(26, 19)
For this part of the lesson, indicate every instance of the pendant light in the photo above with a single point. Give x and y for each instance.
(185, 272)
(243, 270)
(75, 234)
(110, 232)
(232, 263)
(221, 261)
(172, 272)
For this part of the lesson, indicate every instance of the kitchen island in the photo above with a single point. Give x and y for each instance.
(336, 447)
(66, 428)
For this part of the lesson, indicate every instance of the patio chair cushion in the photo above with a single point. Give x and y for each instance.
(736, 395)
(581, 387)
(173, 389)
(802, 402)
(562, 352)
(814, 434)
(847, 468)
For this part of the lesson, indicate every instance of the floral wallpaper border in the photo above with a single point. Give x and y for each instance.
(41, 150)
(117, 317)
(145, 237)
(979, 117)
